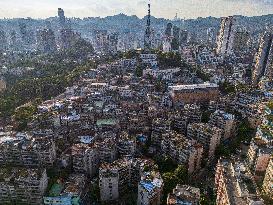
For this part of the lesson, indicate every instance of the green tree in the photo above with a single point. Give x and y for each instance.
(181, 173)
(170, 59)
(226, 87)
(23, 115)
(139, 71)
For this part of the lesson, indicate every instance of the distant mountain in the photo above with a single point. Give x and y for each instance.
(123, 24)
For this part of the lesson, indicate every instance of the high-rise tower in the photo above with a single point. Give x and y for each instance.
(61, 17)
(147, 36)
(226, 36)
(46, 41)
(264, 59)
(3, 40)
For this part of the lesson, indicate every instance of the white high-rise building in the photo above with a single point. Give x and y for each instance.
(226, 36)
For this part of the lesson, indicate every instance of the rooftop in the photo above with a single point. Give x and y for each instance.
(193, 86)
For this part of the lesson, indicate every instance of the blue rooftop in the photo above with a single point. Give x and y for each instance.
(148, 186)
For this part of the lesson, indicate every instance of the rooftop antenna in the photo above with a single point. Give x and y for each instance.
(176, 17)
(147, 37)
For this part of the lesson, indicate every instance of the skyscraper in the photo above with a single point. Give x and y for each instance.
(68, 38)
(169, 30)
(263, 60)
(176, 38)
(61, 17)
(26, 34)
(226, 36)
(241, 40)
(184, 35)
(46, 41)
(13, 43)
(147, 36)
(3, 40)
(211, 36)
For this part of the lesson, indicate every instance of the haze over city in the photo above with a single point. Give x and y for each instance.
(140, 103)
(161, 8)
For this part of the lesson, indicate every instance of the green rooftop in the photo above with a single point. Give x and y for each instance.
(55, 190)
(107, 122)
(98, 104)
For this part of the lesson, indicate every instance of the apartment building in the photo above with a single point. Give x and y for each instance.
(207, 135)
(25, 149)
(109, 181)
(85, 159)
(150, 189)
(126, 145)
(107, 149)
(225, 121)
(235, 185)
(22, 185)
(119, 176)
(184, 194)
(258, 155)
(226, 36)
(70, 191)
(3, 84)
(263, 59)
(268, 180)
(182, 150)
(159, 127)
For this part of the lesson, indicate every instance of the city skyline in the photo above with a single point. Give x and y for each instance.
(160, 8)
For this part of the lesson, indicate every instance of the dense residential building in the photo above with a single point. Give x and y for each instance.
(261, 147)
(93, 142)
(184, 194)
(159, 127)
(247, 104)
(149, 60)
(190, 113)
(3, 84)
(206, 57)
(268, 180)
(22, 185)
(101, 41)
(126, 145)
(258, 155)
(235, 185)
(211, 36)
(109, 184)
(224, 121)
(69, 192)
(182, 150)
(209, 136)
(107, 149)
(23, 149)
(85, 159)
(26, 35)
(226, 36)
(166, 74)
(123, 174)
(188, 54)
(149, 189)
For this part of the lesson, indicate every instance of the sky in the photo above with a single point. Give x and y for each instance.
(160, 8)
